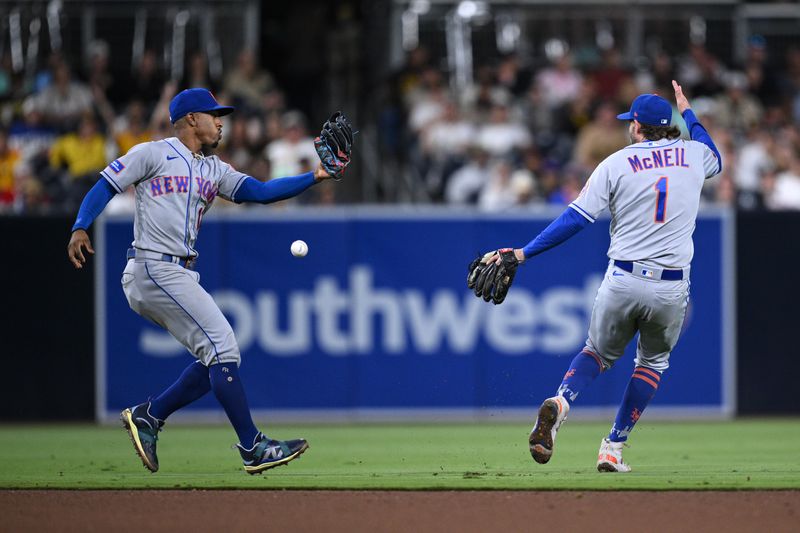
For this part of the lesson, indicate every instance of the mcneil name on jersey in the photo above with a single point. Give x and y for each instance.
(661, 158)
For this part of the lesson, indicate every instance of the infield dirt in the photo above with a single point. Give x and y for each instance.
(354, 511)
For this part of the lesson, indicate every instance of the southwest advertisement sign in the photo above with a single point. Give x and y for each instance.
(376, 322)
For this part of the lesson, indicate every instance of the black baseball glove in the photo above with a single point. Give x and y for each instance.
(491, 281)
(334, 145)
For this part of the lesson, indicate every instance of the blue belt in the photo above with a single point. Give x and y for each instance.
(669, 275)
(185, 262)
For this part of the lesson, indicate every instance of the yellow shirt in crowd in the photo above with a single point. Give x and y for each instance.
(7, 163)
(80, 156)
(127, 140)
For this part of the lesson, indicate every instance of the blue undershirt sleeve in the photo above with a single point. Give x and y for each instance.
(93, 203)
(565, 226)
(252, 190)
(698, 133)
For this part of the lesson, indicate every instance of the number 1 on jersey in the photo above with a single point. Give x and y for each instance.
(661, 199)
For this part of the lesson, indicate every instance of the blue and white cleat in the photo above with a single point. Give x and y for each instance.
(143, 429)
(267, 453)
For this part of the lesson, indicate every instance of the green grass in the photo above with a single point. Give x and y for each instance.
(699, 455)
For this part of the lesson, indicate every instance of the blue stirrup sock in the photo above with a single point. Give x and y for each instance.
(584, 368)
(192, 385)
(228, 389)
(641, 389)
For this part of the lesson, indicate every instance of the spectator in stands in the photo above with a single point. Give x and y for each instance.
(511, 77)
(294, 145)
(754, 160)
(64, 101)
(549, 183)
(662, 70)
(98, 76)
(498, 193)
(197, 73)
(30, 136)
(523, 186)
(247, 82)
(478, 98)
(761, 78)
(577, 113)
(610, 76)
(570, 185)
(784, 193)
(409, 76)
(235, 146)
(133, 127)
(466, 183)
(146, 82)
(9, 159)
(790, 83)
(559, 83)
(701, 71)
(30, 195)
(426, 103)
(603, 136)
(736, 109)
(77, 158)
(445, 144)
(500, 136)
(539, 118)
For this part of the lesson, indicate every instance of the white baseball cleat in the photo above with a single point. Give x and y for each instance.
(609, 459)
(542, 439)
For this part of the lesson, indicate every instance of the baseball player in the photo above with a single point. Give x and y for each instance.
(176, 181)
(652, 190)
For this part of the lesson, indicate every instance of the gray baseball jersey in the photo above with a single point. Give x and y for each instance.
(652, 190)
(174, 189)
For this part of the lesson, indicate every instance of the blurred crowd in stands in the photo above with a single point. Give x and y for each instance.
(60, 126)
(519, 136)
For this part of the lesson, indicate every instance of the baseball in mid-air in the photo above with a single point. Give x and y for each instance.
(299, 248)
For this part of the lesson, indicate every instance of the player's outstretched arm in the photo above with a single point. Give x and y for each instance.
(565, 226)
(490, 276)
(93, 204)
(275, 190)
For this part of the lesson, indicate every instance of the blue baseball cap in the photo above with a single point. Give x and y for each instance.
(649, 109)
(195, 101)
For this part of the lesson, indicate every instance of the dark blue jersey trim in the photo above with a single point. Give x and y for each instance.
(582, 211)
(188, 203)
(109, 178)
(650, 147)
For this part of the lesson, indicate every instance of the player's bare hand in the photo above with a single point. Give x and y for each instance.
(495, 258)
(77, 243)
(320, 173)
(680, 99)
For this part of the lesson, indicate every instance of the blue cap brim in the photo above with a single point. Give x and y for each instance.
(625, 116)
(220, 110)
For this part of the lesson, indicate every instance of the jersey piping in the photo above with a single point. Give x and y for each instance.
(188, 202)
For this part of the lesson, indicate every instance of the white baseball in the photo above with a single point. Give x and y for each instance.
(299, 248)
